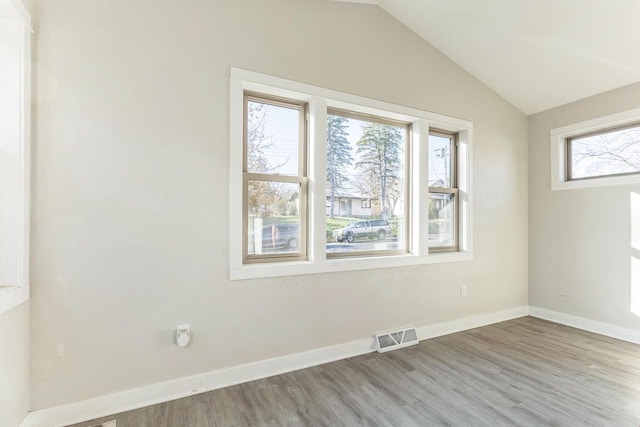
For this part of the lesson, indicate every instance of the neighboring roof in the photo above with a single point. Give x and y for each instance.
(536, 54)
(348, 196)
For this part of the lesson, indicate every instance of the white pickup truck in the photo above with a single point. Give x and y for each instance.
(376, 228)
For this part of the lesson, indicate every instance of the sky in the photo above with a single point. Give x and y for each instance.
(282, 125)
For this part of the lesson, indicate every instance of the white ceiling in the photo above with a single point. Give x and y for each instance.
(537, 54)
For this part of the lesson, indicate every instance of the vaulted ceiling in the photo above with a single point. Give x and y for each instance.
(537, 54)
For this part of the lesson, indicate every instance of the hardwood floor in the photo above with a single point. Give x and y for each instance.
(524, 372)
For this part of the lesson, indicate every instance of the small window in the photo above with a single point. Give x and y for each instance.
(275, 182)
(366, 180)
(443, 192)
(608, 152)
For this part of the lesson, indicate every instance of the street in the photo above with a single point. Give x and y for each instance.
(363, 245)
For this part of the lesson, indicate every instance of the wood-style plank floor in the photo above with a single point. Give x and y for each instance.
(524, 372)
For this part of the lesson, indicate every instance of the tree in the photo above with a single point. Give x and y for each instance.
(261, 194)
(395, 193)
(607, 153)
(257, 139)
(338, 156)
(380, 160)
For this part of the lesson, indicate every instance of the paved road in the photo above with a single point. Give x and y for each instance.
(363, 245)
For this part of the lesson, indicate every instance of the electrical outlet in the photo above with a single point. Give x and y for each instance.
(183, 335)
(463, 291)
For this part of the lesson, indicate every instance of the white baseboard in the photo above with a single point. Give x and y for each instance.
(466, 323)
(175, 389)
(594, 326)
(162, 392)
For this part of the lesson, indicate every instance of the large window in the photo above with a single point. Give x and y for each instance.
(324, 181)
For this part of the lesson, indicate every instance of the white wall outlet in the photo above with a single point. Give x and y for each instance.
(183, 335)
(463, 291)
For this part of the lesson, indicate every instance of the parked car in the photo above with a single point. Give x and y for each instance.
(377, 228)
(277, 236)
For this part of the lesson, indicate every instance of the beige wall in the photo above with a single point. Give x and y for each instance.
(28, 4)
(579, 240)
(130, 189)
(14, 365)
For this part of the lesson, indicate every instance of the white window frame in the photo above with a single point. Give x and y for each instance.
(319, 99)
(558, 140)
(14, 180)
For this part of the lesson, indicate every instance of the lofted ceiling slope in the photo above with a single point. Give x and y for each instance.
(536, 54)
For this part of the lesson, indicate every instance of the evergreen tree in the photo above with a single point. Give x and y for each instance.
(338, 156)
(380, 159)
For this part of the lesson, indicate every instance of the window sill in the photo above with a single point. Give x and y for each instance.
(256, 271)
(12, 296)
(606, 181)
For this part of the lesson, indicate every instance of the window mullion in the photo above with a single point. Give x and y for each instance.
(317, 165)
(420, 198)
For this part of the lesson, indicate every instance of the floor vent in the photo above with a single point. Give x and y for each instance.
(111, 423)
(396, 339)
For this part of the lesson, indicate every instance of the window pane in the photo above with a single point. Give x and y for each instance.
(442, 217)
(365, 186)
(273, 139)
(440, 161)
(609, 153)
(273, 217)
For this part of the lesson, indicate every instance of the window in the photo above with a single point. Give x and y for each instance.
(324, 181)
(604, 153)
(275, 182)
(443, 192)
(599, 152)
(15, 60)
(366, 157)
